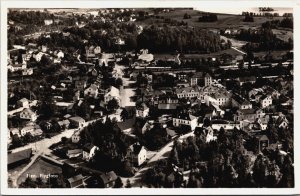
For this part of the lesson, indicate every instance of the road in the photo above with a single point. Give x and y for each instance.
(125, 92)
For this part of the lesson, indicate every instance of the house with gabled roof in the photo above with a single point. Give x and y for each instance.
(107, 180)
(91, 91)
(23, 103)
(185, 119)
(142, 110)
(88, 151)
(75, 181)
(28, 114)
(240, 102)
(137, 154)
(187, 92)
(265, 101)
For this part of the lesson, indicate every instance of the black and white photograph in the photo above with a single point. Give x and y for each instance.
(167, 98)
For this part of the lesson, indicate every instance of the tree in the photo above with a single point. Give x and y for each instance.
(118, 183)
(119, 82)
(112, 105)
(128, 184)
(16, 140)
(45, 60)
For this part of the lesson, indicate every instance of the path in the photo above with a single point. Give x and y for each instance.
(15, 178)
(238, 50)
(125, 92)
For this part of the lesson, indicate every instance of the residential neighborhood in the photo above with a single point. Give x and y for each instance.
(149, 98)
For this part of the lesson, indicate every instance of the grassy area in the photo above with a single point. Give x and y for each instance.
(40, 167)
(274, 53)
(283, 34)
(224, 20)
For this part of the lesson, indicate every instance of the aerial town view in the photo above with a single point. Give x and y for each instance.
(150, 98)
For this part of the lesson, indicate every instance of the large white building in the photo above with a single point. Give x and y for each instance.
(185, 119)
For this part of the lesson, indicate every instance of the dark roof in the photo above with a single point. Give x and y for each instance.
(19, 156)
(87, 147)
(247, 111)
(185, 116)
(240, 99)
(263, 97)
(198, 75)
(108, 177)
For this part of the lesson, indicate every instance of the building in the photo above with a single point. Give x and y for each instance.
(74, 153)
(97, 50)
(15, 131)
(88, 151)
(137, 154)
(75, 182)
(207, 80)
(185, 119)
(167, 102)
(28, 129)
(77, 122)
(145, 56)
(240, 102)
(107, 180)
(28, 114)
(23, 103)
(27, 72)
(246, 79)
(187, 92)
(263, 142)
(37, 56)
(196, 78)
(48, 21)
(91, 91)
(112, 93)
(265, 101)
(248, 114)
(142, 110)
(59, 54)
(282, 122)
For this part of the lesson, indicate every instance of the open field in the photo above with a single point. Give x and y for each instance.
(40, 167)
(283, 34)
(224, 20)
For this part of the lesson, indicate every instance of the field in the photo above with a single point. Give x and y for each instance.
(283, 34)
(224, 20)
(40, 167)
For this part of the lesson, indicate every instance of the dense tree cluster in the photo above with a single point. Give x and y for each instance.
(286, 22)
(224, 163)
(263, 39)
(170, 39)
(29, 17)
(113, 145)
(208, 18)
